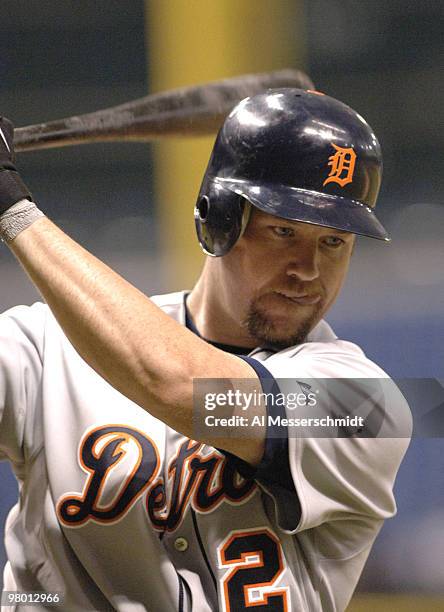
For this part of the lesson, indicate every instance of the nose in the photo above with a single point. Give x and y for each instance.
(303, 262)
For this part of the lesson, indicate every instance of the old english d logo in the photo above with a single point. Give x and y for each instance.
(342, 166)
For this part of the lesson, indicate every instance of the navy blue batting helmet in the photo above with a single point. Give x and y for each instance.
(295, 154)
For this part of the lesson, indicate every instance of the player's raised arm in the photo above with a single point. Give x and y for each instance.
(121, 333)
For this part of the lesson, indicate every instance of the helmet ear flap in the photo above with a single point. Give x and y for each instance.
(220, 216)
(204, 224)
(246, 213)
(202, 208)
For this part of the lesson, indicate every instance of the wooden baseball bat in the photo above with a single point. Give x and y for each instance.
(190, 111)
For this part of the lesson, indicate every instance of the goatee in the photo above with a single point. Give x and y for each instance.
(261, 327)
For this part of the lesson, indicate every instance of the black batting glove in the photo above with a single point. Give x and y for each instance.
(12, 188)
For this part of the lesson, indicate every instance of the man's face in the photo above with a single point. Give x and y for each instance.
(282, 276)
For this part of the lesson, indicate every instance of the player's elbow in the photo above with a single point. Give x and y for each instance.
(171, 392)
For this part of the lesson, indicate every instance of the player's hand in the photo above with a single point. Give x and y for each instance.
(12, 188)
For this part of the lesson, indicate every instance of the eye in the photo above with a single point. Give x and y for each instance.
(333, 241)
(282, 231)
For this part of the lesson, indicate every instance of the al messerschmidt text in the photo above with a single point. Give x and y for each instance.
(260, 421)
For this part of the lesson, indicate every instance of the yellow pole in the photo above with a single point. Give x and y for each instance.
(195, 41)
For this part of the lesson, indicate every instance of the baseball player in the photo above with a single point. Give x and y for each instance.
(130, 497)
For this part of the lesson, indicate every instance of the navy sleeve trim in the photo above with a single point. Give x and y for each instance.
(274, 467)
(273, 472)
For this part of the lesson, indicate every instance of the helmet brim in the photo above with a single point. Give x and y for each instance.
(310, 207)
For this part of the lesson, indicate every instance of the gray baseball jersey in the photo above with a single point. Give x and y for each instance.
(120, 512)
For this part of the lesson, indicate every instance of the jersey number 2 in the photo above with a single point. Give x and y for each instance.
(255, 563)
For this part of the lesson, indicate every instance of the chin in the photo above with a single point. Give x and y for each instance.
(279, 332)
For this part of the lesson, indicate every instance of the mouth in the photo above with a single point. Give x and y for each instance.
(304, 299)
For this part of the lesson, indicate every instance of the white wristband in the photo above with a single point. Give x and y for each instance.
(17, 218)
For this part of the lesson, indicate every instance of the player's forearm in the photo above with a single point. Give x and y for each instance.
(116, 329)
(121, 333)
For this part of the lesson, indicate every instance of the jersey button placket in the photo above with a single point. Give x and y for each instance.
(181, 544)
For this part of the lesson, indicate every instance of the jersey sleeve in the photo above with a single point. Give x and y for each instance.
(21, 347)
(318, 479)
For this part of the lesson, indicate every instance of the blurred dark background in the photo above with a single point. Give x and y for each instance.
(385, 59)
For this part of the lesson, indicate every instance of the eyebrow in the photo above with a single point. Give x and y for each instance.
(293, 224)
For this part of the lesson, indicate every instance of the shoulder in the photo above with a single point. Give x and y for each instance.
(347, 378)
(26, 321)
(35, 312)
(322, 354)
(173, 304)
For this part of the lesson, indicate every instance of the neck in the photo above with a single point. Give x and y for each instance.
(208, 304)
